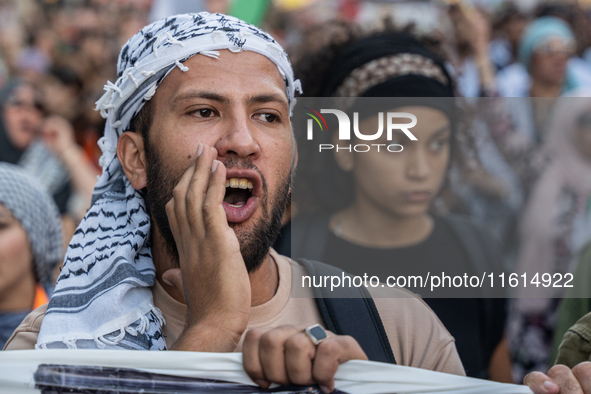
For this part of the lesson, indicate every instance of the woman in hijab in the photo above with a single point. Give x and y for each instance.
(555, 225)
(46, 149)
(30, 246)
(545, 70)
(374, 207)
(21, 124)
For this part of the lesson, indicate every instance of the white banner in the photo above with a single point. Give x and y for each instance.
(119, 371)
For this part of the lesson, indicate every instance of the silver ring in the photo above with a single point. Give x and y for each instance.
(316, 333)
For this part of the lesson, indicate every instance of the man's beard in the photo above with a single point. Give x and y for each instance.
(254, 245)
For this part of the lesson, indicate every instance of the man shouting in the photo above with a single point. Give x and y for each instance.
(175, 252)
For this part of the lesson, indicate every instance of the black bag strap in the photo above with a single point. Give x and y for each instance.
(352, 313)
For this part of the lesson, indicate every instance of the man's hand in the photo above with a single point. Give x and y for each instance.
(212, 275)
(286, 355)
(560, 379)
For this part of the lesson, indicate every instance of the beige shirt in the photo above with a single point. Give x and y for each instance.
(417, 337)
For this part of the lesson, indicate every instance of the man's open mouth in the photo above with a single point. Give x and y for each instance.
(238, 191)
(243, 188)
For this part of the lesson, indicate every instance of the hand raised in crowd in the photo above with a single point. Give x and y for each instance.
(58, 135)
(479, 29)
(286, 355)
(560, 379)
(475, 28)
(212, 277)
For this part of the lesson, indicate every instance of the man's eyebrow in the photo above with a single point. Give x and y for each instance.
(202, 95)
(268, 98)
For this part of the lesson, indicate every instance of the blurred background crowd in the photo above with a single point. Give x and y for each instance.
(56, 56)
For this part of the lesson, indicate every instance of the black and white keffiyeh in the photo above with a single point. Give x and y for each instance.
(103, 296)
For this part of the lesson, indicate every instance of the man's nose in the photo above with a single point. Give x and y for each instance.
(238, 137)
(417, 165)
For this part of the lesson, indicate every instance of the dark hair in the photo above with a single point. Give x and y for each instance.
(67, 76)
(142, 121)
(321, 45)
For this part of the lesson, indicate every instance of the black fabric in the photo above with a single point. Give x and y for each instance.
(8, 152)
(354, 314)
(476, 323)
(422, 257)
(410, 90)
(62, 196)
(365, 50)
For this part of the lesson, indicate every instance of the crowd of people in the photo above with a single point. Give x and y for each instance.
(499, 179)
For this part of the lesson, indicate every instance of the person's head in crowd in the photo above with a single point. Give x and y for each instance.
(545, 48)
(21, 117)
(409, 78)
(36, 59)
(569, 146)
(510, 22)
(61, 90)
(97, 48)
(30, 239)
(569, 140)
(570, 131)
(566, 178)
(573, 14)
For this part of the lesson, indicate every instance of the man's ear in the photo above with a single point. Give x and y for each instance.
(344, 158)
(131, 154)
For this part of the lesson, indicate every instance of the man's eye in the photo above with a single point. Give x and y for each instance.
(269, 118)
(204, 113)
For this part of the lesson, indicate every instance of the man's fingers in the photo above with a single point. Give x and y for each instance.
(539, 383)
(250, 357)
(299, 353)
(179, 195)
(172, 220)
(559, 379)
(198, 188)
(286, 355)
(565, 379)
(582, 373)
(330, 354)
(272, 354)
(214, 215)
